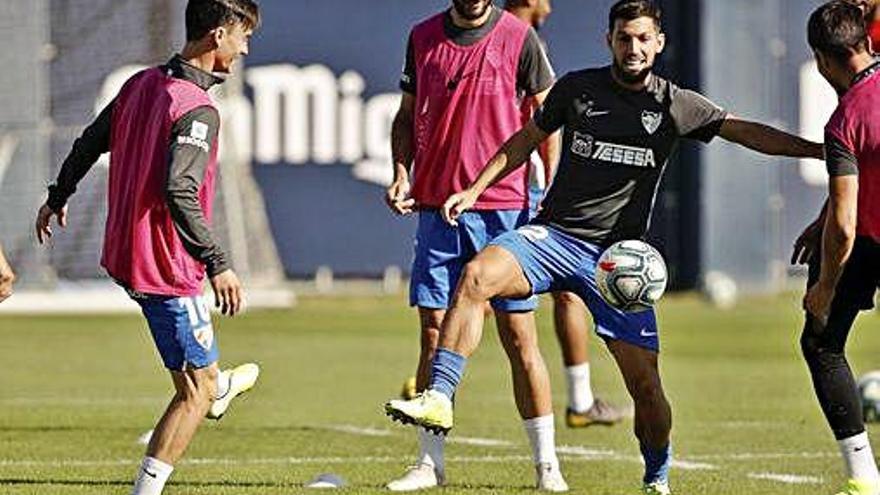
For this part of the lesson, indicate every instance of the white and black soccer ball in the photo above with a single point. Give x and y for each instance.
(631, 276)
(869, 391)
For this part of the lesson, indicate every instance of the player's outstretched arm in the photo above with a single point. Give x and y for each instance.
(7, 277)
(768, 140)
(402, 150)
(94, 141)
(512, 155)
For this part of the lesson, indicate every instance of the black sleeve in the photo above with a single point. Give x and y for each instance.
(192, 138)
(839, 159)
(551, 116)
(695, 116)
(94, 141)
(534, 74)
(408, 76)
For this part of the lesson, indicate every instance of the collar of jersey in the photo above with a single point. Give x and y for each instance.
(181, 69)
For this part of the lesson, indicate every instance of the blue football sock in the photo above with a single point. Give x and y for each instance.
(446, 371)
(656, 463)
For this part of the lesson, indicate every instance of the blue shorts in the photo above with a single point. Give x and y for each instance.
(441, 251)
(181, 328)
(554, 261)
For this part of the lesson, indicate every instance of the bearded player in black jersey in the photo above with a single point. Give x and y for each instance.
(620, 124)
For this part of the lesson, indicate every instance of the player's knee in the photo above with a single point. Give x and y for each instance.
(818, 351)
(473, 285)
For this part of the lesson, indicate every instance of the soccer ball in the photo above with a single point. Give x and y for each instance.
(631, 276)
(869, 391)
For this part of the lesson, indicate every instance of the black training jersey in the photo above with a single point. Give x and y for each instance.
(616, 144)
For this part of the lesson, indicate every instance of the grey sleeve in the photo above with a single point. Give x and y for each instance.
(839, 159)
(551, 116)
(192, 138)
(408, 76)
(534, 73)
(94, 141)
(695, 116)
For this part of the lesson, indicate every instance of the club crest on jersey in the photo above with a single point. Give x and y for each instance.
(651, 121)
(199, 130)
(582, 144)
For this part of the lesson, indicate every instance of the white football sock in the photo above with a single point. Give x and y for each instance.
(859, 458)
(223, 382)
(431, 450)
(152, 476)
(580, 391)
(542, 432)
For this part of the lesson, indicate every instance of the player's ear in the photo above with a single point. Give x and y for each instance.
(218, 35)
(661, 41)
(608, 38)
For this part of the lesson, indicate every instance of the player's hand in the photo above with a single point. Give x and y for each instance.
(44, 220)
(7, 278)
(397, 197)
(817, 302)
(457, 204)
(807, 245)
(228, 292)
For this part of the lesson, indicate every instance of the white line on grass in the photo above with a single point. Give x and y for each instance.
(358, 430)
(756, 456)
(792, 479)
(64, 463)
(567, 452)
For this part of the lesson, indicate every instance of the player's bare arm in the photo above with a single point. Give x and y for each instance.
(402, 151)
(837, 243)
(511, 156)
(7, 277)
(807, 244)
(550, 148)
(768, 140)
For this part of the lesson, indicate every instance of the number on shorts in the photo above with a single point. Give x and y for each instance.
(533, 233)
(197, 310)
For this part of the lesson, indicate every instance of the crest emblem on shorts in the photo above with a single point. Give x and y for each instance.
(204, 336)
(651, 121)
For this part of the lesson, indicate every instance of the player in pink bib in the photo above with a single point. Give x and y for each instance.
(161, 131)
(468, 71)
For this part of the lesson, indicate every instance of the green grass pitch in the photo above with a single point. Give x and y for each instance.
(78, 391)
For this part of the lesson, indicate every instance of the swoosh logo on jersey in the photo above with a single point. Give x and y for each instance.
(590, 113)
(646, 333)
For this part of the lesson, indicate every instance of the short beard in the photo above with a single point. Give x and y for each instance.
(470, 17)
(628, 78)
